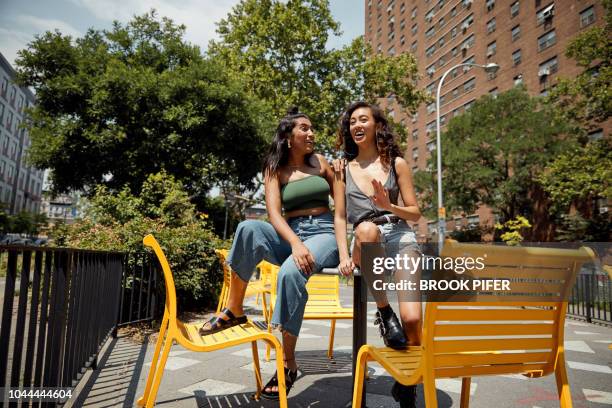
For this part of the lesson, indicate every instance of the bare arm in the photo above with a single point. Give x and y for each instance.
(301, 255)
(410, 210)
(346, 263)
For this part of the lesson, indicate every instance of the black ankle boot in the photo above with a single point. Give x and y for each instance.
(390, 329)
(404, 394)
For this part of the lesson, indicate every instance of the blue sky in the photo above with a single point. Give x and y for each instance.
(20, 20)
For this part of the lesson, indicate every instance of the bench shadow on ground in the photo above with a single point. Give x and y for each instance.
(331, 391)
(115, 382)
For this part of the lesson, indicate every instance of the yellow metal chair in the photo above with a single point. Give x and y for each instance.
(259, 287)
(466, 339)
(323, 302)
(173, 330)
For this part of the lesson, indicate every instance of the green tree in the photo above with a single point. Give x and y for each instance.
(134, 100)
(278, 50)
(492, 154)
(585, 100)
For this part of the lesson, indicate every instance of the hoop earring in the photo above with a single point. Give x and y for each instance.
(288, 143)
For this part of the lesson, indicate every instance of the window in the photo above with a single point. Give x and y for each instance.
(455, 92)
(431, 146)
(430, 15)
(430, 51)
(379, 48)
(414, 29)
(415, 134)
(490, 5)
(514, 9)
(402, 8)
(518, 80)
(454, 51)
(402, 25)
(493, 92)
(548, 67)
(587, 17)
(1, 113)
(516, 57)
(465, 24)
(379, 32)
(402, 39)
(467, 44)
(431, 126)
(516, 33)
(430, 33)
(596, 135)
(431, 107)
(454, 73)
(441, 42)
(414, 13)
(491, 49)
(547, 40)
(391, 51)
(453, 12)
(431, 88)
(546, 14)
(441, 4)
(391, 36)
(469, 85)
(413, 47)
(453, 32)
(415, 153)
(441, 23)
(491, 25)
(468, 105)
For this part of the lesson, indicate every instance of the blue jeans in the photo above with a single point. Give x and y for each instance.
(258, 240)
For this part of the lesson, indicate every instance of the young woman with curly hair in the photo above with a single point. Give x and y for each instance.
(367, 189)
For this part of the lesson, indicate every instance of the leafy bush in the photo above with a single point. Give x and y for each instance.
(119, 221)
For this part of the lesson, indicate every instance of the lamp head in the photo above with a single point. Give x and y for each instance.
(491, 68)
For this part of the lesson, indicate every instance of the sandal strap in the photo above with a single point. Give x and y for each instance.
(228, 313)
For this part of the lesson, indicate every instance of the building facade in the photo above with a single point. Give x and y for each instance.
(20, 184)
(526, 38)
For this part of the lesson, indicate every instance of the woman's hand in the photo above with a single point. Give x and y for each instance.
(381, 196)
(346, 266)
(338, 165)
(303, 258)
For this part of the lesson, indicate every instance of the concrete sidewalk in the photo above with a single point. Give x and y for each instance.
(225, 378)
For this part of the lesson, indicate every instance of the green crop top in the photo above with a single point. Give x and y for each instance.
(308, 192)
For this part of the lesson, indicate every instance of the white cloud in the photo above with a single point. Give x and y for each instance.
(197, 15)
(38, 25)
(13, 41)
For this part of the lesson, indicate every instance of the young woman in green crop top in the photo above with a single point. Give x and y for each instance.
(366, 192)
(300, 237)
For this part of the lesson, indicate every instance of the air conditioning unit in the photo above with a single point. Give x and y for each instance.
(467, 3)
(544, 72)
(490, 53)
(428, 131)
(465, 47)
(464, 27)
(431, 72)
(547, 14)
(428, 18)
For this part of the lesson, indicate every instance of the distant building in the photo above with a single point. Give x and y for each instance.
(62, 208)
(527, 38)
(20, 184)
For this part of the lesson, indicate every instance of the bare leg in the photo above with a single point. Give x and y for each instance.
(289, 343)
(368, 232)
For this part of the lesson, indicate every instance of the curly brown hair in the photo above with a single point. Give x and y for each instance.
(386, 143)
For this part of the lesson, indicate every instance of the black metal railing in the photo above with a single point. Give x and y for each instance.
(59, 306)
(592, 298)
(139, 290)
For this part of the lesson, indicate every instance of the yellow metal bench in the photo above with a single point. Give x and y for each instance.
(173, 330)
(466, 339)
(323, 302)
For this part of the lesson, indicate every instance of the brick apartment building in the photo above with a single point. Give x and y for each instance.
(20, 183)
(526, 38)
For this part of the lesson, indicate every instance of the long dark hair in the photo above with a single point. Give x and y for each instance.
(278, 153)
(386, 143)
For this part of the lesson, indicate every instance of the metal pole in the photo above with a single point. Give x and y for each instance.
(441, 209)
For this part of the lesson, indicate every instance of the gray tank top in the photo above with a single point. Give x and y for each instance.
(359, 206)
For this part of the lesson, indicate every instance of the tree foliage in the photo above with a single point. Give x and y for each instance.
(586, 99)
(491, 156)
(118, 222)
(278, 49)
(135, 100)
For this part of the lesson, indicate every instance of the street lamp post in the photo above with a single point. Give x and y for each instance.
(490, 68)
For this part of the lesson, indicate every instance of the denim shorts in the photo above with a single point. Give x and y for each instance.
(396, 237)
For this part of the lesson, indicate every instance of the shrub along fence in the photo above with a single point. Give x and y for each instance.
(59, 306)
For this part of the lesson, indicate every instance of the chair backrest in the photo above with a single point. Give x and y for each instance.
(151, 242)
(227, 271)
(323, 289)
(518, 335)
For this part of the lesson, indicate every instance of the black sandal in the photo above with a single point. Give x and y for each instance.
(216, 324)
(290, 377)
